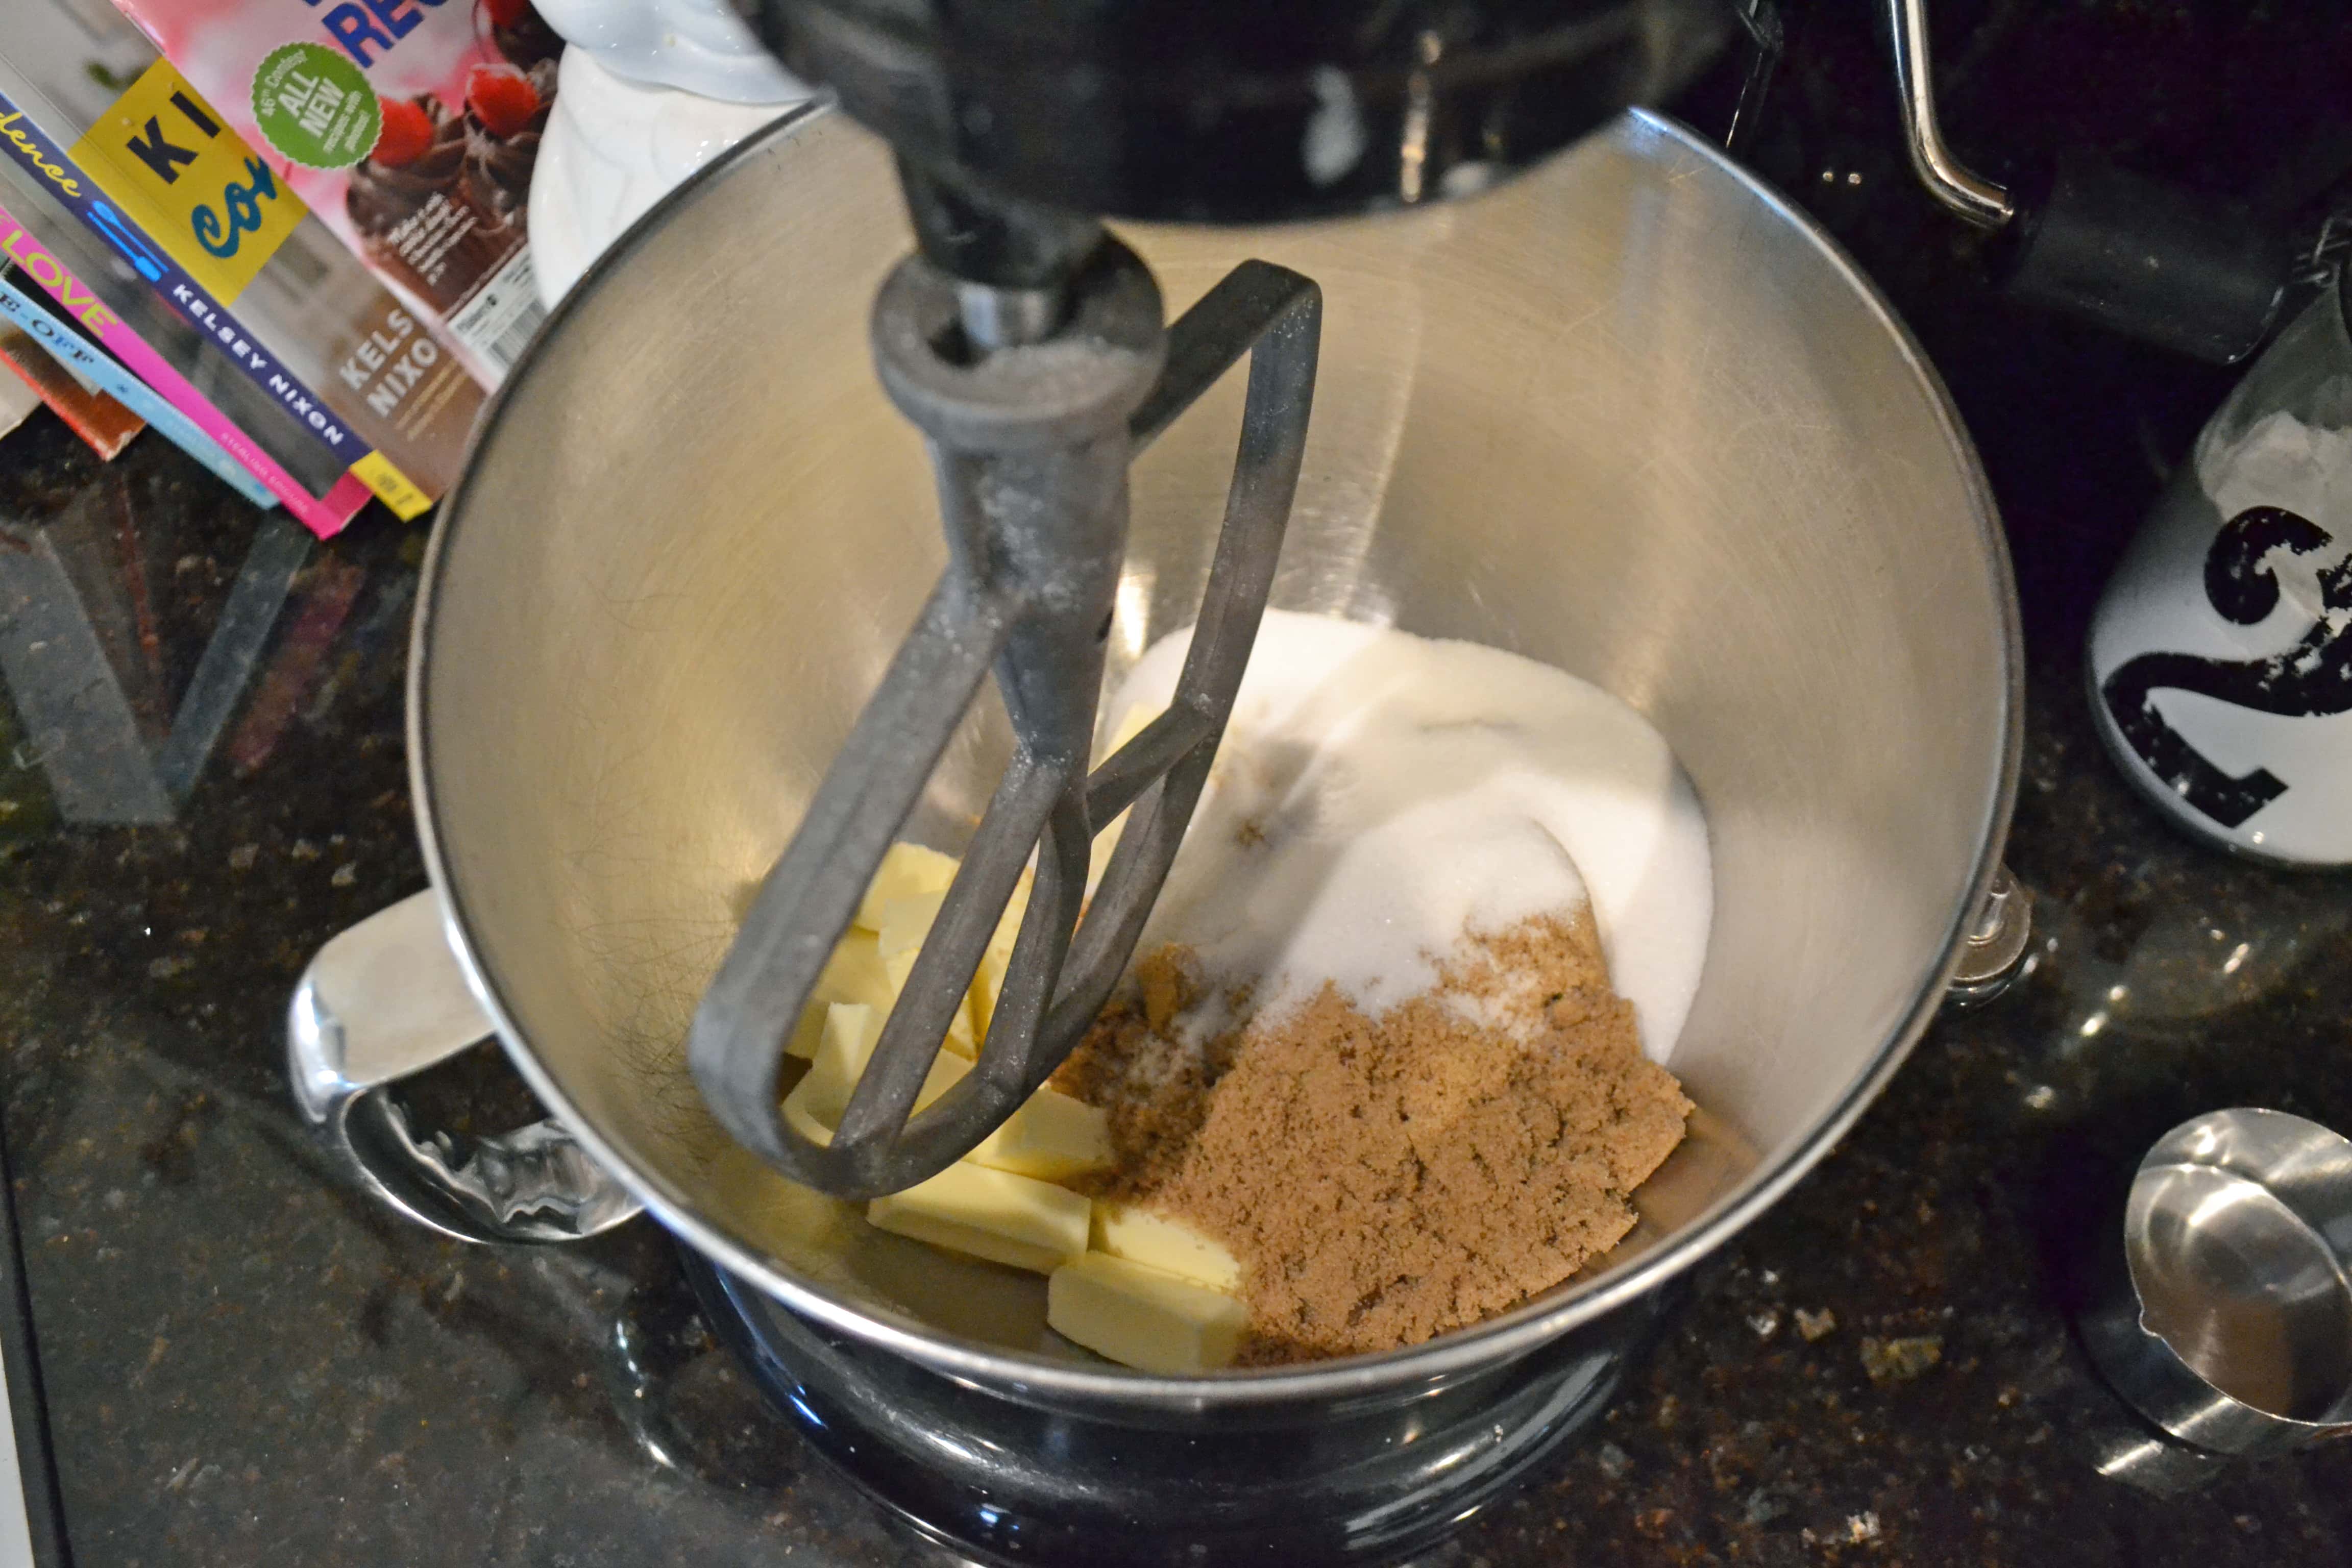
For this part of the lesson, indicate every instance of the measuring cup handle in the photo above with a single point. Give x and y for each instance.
(384, 1000)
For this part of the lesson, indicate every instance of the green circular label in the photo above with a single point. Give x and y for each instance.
(313, 105)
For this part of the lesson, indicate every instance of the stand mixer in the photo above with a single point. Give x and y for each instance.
(1553, 421)
(1028, 346)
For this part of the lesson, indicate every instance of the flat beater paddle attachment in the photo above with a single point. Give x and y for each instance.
(1031, 431)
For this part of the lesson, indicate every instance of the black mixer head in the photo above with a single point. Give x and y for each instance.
(1238, 110)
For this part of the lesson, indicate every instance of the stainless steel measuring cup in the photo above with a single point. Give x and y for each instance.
(2231, 1324)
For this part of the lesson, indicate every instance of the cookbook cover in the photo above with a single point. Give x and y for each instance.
(410, 127)
(112, 132)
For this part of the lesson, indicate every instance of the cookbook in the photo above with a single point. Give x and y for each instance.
(98, 129)
(411, 128)
(323, 495)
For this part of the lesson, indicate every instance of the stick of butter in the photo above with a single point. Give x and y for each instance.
(908, 870)
(1052, 1137)
(990, 1214)
(1141, 1317)
(1171, 1246)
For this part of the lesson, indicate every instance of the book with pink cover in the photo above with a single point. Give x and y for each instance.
(410, 127)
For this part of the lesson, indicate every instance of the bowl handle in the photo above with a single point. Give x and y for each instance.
(385, 999)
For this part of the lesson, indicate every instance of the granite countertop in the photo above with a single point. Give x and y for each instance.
(248, 1361)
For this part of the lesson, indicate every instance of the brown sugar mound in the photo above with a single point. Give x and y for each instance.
(1385, 1177)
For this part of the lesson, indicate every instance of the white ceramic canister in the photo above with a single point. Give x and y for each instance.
(650, 91)
(2220, 658)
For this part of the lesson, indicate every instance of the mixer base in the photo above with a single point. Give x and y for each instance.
(1011, 1481)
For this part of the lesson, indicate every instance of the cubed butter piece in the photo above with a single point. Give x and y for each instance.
(797, 1117)
(988, 982)
(994, 1215)
(853, 973)
(906, 920)
(987, 986)
(1141, 1317)
(846, 1046)
(1052, 1137)
(908, 870)
(904, 923)
(959, 1040)
(1158, 1242)
(844, 1042)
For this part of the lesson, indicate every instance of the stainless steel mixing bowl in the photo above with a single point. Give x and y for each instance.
(1631, 414)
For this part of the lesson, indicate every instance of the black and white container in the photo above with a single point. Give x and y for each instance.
(2220, 658)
